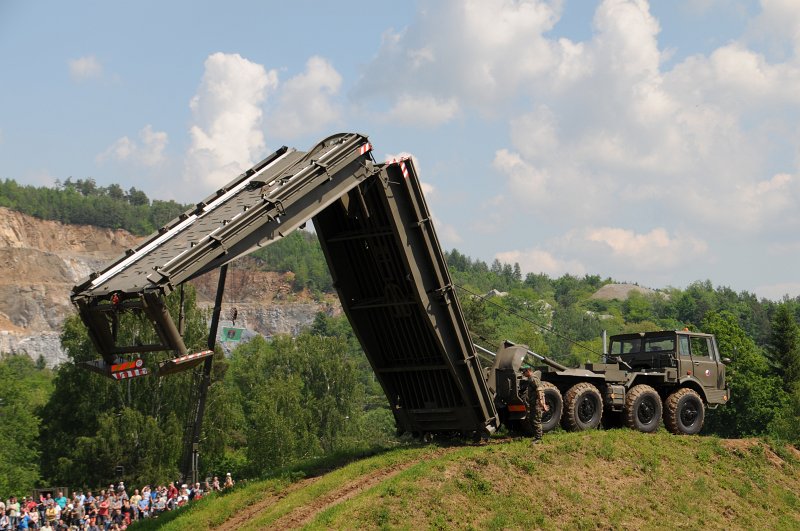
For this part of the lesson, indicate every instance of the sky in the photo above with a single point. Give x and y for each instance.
(649, 142)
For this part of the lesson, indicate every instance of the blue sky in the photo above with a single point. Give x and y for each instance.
(656, 142)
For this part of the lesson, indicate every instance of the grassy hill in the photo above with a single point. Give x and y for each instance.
(617, 479)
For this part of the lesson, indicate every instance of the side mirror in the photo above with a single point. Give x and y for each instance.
(726, 361)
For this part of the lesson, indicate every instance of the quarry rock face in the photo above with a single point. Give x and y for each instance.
(42, 260)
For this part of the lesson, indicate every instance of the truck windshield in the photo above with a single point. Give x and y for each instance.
(659, 344)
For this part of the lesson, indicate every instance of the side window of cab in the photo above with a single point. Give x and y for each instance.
(700, 347)
(683, 346)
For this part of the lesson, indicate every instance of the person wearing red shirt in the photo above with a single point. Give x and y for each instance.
(102, 511)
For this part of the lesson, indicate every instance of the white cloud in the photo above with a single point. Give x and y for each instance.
(537, 260)
(422, 111)
(449, 235)
(84, 68)
(618, 252)
(307, 101)
(149, 151)
(478, 50)
(779, 21)
(618, 141)
(646, 251)
(227, 137)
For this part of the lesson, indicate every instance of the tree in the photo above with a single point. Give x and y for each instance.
(784, 346)
(23, 389)
(85, 408)
(756, 392)
(786, 423)
(300, 398)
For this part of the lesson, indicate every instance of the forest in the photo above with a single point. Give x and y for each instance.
(293, 399)
(82, 202)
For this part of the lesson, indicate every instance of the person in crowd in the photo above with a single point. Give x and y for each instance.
(161, 503)
(12, 508)
(173, 492)
(122, 492)
(103, 510)
(144, 507)
(41, 507)
(127, 511)
(215, 485)
(228, 481)
(78, 513)
(51, 513)
(5, 521)
(23, 519)
(33, 518)
(61, 500)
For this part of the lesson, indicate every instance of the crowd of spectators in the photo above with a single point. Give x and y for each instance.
(111, 509)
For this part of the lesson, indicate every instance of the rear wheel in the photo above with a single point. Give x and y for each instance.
(684, 412)
(583, 407)
(555, 406)
(643, 409)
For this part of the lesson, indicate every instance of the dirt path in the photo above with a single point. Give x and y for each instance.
(304, 514)
(248, 513)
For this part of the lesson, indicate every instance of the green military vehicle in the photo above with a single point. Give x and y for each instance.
(645, 377)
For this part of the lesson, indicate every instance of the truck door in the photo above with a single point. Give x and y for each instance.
(705, 366)
(685, 366)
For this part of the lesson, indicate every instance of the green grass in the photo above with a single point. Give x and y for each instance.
(608, 479)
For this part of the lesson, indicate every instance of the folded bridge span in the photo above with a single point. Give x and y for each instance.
(381, 247)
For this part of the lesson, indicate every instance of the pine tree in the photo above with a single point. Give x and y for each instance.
(785, 345)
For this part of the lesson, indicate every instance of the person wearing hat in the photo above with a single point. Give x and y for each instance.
(535, 398)
(228, 481)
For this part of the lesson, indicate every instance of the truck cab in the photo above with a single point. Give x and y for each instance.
(694, 355)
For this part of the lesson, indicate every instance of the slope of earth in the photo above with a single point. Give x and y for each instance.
(42, 260)
(620, 291)
(618, 479)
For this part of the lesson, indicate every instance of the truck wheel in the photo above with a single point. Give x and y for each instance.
(643, 409)
(685, 412)
(555, 406)
(583, 407)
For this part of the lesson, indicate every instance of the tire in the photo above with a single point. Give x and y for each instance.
(555, 404)
(684, 412)
(643, 409)
(583, 408)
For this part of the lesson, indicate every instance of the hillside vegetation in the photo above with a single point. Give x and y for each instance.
(617, 479)
(82, 202)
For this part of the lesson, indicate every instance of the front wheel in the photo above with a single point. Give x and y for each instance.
(643, 409)
(583, 407)
(685, 412)
(555, 407)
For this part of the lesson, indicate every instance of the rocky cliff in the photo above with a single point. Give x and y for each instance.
(43, 260)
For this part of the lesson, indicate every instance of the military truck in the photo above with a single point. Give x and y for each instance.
(669, 374)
